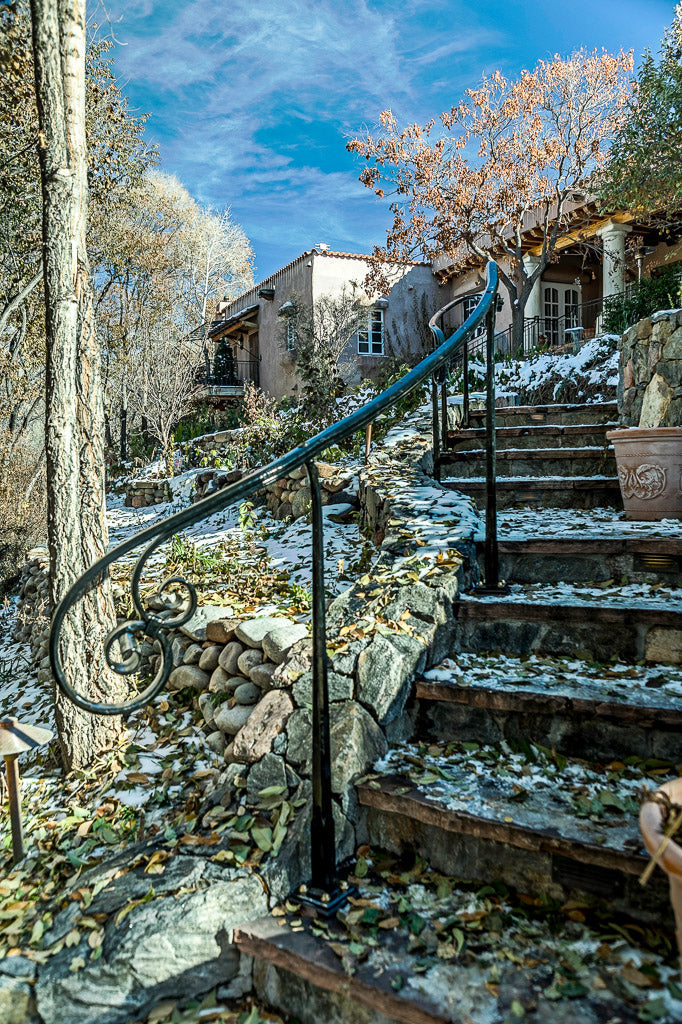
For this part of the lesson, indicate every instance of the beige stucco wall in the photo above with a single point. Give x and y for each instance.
(408, 283)
(317, 274)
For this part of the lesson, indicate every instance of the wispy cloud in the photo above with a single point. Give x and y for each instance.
(252, 102)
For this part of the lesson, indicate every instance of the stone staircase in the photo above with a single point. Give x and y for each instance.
(516, 780)
(547, 455)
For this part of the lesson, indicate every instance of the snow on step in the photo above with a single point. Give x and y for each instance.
(647, 686)
(531, 788)
(609, 595)
(531, 523)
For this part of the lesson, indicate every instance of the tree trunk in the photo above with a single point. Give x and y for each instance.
(74, 407)
(124, 433)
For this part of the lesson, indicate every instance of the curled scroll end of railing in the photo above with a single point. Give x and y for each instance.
(122, 647)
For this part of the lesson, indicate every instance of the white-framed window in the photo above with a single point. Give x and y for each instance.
(371, 338)
(468, 306)
(291, 333)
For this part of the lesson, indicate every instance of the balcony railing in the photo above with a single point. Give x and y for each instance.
(229, 378)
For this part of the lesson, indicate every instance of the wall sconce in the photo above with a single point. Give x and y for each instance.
(266, 293)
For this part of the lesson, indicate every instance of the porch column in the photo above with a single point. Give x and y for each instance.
(613, 266)
(534, 303)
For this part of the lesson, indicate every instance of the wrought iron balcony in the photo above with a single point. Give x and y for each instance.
(227, 380)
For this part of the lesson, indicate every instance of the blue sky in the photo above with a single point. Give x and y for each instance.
(252, 102)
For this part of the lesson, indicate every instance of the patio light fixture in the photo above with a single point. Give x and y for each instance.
(15, 738)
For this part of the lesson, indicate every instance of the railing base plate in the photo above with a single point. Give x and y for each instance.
(325, 902)
(484, 591)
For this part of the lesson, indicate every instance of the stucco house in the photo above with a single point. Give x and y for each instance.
(596, 257)
(253, 339)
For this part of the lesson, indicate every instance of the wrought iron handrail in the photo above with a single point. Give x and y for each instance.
(151, 626)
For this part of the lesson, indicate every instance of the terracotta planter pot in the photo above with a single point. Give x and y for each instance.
(650, 471)
(651, 824)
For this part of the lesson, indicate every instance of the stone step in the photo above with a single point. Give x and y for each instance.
(576, 435)
(586, 710)
(529, 817)
(529, 462)
(533, 415)
(583, 492)
(551, 560)
(418, 947)
(628, 623)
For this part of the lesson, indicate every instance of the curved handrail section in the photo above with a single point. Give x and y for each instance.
(151, 625)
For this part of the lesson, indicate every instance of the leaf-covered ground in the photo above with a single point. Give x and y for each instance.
(489, 955)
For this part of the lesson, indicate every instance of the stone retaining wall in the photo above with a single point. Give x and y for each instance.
(288, 497)
(650, 383)
(141, 493)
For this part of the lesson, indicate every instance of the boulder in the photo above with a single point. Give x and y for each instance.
(209, 658)
(300, 506)
(278, 641)
(339, 688)
(299, 660)
(193, 654)
(356, 742)
(17, 1005)
(195, 629)
(217, 742)
(221, 631)
(269, 771)
(206, 706)
(385, 672)
(188, 675)
(252, 631)
(221, 682)
(228, 658)
(247, 693)
(172, 947)
(231, 720)
(267, 721)
(262, 674)
(248, 660)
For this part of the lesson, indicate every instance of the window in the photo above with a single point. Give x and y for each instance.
(371, 338)
(468, 306)
(291, 334)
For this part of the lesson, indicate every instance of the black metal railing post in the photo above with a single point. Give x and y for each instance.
(465, 386)
(324, 892)
(444, 408)
(435, 427)
(492, 570)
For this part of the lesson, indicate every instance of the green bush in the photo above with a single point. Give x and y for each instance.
(643, 299)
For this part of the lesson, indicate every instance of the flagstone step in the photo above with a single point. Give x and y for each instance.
(418, 947)
(582, 492)
(555, 559)
(550, 435)
(632, 623)
(534, 415)
(585, 710)
(602, 524)
(530, 462)
(534, 819)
